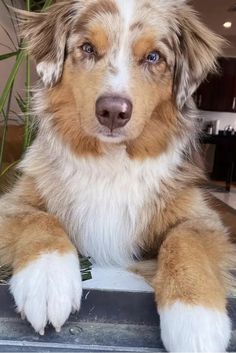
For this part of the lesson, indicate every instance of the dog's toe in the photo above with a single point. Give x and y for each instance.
(48, 290)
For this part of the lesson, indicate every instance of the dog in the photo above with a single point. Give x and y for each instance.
(111, 173)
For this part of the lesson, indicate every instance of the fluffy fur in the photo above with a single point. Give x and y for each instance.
(187, 328)
(126, 194)
(52, 288)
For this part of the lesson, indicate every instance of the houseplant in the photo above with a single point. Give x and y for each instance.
(6, 97)
(21, 57)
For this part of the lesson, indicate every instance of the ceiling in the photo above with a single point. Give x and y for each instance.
(215, 12)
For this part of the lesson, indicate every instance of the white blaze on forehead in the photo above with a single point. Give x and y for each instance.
(119, 81)
(126, 9)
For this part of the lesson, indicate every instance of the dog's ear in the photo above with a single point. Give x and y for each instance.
(46, 35)
(197, 49)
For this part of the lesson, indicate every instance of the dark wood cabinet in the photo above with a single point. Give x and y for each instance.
(218, 91)
(225, 157)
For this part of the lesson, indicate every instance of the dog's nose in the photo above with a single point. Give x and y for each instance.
(113, 112)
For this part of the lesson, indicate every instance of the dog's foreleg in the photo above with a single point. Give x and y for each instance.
(190, 287)
(46, 280)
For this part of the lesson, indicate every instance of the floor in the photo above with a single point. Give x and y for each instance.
(116, 279)
(229, 198)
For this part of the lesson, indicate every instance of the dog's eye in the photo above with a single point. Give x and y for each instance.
(88, 48)
(153, 57)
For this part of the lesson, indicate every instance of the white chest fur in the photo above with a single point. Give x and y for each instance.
(103, 203)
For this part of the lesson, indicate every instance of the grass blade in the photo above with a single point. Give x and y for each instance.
(10, 166)
(28, 5)
(27, 133)
(8, 55)
(47, 4)
(11, 79)
(6, 272)
(26, 141)
(21, 103)
(5, 116)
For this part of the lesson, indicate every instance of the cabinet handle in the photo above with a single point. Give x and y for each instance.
(234, 104)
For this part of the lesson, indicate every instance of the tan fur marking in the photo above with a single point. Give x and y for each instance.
(99, 39)
(188, 270)
(28, 194)
(154, 139)
(143, 46)
(176, 207)
(66, 121)
(26, 231)
(40, 233)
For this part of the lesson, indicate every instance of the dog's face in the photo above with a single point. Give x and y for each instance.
(125, 65)
(119, 68)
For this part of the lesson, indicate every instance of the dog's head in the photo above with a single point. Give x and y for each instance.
(120, 69)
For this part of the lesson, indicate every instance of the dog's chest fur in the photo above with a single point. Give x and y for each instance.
(104, 203)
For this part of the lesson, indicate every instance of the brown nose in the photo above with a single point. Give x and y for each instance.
(113, 112)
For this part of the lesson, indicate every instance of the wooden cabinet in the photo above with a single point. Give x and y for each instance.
(225, 157)
(218, 91)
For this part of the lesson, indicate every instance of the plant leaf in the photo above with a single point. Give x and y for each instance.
(11, 78)
(21, 103)
(6, 271)
(47, 4)
(9, 55)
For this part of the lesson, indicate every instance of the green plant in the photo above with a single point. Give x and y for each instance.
(85, 265)
(6, 98)
(21, 58)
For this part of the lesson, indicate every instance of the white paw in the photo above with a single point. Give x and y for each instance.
(187, 328)
(48, 290)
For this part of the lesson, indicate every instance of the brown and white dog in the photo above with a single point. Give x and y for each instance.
(110, 173)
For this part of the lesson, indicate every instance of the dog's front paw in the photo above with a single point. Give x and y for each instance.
(187, 328)
(48, 289)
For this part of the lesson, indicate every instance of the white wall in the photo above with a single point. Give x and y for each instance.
(224, 118)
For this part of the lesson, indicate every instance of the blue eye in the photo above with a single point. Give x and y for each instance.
(153, 57)
(88, 48)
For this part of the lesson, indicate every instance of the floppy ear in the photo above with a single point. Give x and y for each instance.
(46, 34)
(197, 49)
